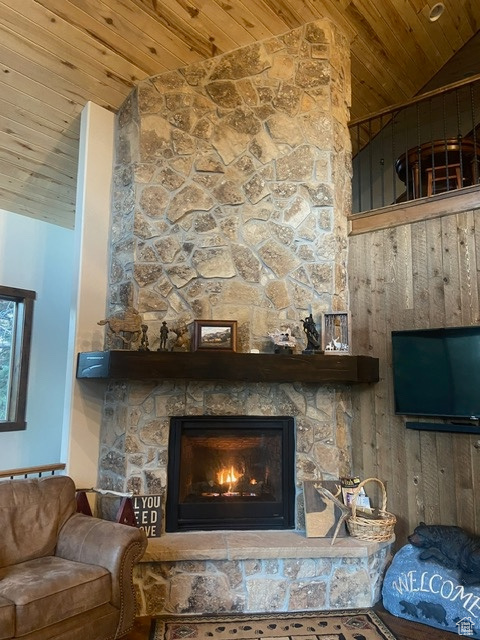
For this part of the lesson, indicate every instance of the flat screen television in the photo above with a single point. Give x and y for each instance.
(436, 372)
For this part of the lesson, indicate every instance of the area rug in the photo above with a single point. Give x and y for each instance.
(325, 625)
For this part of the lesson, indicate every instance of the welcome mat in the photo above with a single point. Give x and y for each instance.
(326, 625)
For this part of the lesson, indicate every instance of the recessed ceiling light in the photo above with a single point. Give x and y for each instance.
(436, 11)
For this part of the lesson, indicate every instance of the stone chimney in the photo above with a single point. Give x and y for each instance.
(232, 188)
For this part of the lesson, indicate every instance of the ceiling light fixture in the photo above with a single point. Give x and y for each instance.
(436, 11)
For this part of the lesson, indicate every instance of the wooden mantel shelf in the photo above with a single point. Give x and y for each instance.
(239, 367)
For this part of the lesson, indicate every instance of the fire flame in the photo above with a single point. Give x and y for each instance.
(228, 476)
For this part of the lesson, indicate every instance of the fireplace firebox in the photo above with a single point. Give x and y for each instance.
(230, 472)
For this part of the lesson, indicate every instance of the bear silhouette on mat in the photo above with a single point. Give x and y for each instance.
(452, 547)
(434, 611)
(409, 608)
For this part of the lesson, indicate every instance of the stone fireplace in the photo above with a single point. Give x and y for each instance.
(232, 186)
(231, 189)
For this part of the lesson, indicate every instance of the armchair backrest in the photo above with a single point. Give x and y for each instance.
(32, 512)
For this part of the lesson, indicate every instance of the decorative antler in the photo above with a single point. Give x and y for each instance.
(344, 510)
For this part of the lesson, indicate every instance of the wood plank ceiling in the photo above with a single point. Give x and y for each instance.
(55, 55)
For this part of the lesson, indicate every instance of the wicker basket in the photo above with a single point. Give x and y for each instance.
(377, 528)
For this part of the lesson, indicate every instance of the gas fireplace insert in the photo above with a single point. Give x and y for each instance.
(230, 472)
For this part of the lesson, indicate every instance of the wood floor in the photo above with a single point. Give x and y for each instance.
(140, 631)
(402, 629)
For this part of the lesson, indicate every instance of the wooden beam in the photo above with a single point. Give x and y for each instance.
(466, 199)
(245, 367)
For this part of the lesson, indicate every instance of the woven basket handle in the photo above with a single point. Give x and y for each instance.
(358, 489)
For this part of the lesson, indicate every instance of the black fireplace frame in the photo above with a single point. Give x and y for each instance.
(265, 515)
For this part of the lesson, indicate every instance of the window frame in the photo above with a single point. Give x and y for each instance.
(16, 419)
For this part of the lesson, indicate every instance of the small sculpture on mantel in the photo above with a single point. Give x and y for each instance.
(283, 340)
(126, 326)
(177, 339)
(313, 337)
(182, 343)
(163, 336)
(144, 339)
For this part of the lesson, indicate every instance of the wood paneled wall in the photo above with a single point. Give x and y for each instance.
(419, 275)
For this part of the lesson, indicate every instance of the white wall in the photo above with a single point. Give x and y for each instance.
(69, 271)
(39, 256)
(84, 399)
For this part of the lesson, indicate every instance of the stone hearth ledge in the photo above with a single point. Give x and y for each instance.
(254, 545)
(258, 572)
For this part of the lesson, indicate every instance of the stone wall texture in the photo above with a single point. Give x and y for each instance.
(263, 585)
(231, 190)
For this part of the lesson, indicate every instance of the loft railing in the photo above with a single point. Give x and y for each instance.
(26, 472)
(424, 147)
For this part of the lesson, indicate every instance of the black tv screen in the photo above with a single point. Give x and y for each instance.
(436, 372)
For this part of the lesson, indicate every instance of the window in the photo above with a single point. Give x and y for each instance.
(16, 314)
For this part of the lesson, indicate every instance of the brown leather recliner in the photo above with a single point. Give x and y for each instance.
(63, 575)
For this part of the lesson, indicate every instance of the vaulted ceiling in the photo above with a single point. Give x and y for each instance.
(55, 55)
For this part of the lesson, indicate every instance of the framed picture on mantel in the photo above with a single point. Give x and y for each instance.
(214, 335)
(336, 333)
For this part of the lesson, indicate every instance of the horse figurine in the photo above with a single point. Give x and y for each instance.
(129, 323)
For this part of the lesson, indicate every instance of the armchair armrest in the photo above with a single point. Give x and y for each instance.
(117, 547)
